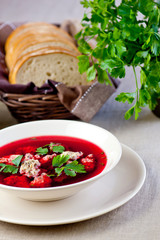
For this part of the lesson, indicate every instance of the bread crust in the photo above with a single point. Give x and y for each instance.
(32, 26)
(40, 52)
(17, 50)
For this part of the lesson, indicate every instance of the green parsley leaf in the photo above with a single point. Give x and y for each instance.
(69, 172)
(109, 64)
(17, 160)
(91, 73)
(103, 76)
(114, 66)
(129, 113)
(59, 160)
(84, 47)
(143, 76)
(78, 35)
(123, 97)
(58, 149)
(59, 170)
(70, 169)
(137, 110)
(155, 48)
(8, 168)
(124, 10)
(145, 6)
(85, 3)
(142, 54)
(120, 47)
(75, 166)
(83, 63)
(42, 151)
(144, 97)
(85, 18)
(116, 33)
(2, 165)
(14, 170)
(147, 43)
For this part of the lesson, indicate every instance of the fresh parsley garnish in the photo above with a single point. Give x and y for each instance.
(70, 169)
(123, 39)
(59, 170)
(6, 168)
(42, 151)
(58, 149)
(70, 172)
(59, 160)
(17, 160)
(74, 167)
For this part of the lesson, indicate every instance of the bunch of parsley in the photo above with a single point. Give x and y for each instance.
(126, 35)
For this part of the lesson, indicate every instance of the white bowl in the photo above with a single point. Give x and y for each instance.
(99, 136)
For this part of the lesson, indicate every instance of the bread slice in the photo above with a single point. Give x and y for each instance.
(29, 45)
(53, 63)
(24, 29)
(18, 31)
(28, 35)
(36, 35)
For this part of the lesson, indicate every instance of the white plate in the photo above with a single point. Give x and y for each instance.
(108, 193)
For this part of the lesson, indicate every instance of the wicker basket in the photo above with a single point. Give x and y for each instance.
(25, 107)
(30, 107)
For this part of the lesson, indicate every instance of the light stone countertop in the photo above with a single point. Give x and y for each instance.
(138, 219)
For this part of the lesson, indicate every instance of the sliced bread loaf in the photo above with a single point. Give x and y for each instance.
(36, 52)
(53, 63)
(35, 35)
(29, 45)
(34, 27)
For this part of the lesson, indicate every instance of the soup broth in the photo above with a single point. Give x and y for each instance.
(49, 161)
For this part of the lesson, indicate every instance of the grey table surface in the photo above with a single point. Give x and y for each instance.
(139, 218)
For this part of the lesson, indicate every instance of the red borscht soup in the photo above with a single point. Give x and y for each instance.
(49, 161)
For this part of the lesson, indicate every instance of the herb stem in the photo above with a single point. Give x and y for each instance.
(92, 59)
(135, 75)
